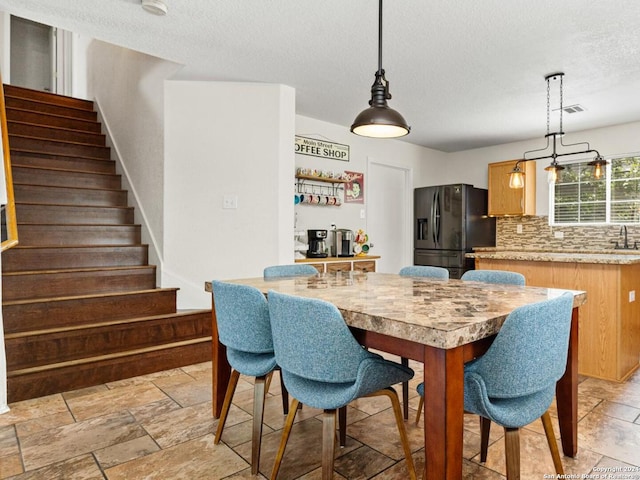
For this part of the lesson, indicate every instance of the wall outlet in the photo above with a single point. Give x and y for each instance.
(519, 228)
(558, 234)
(230, 201)
(362, 213)
(632, 296)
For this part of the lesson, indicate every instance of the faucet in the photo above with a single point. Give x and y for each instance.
(623, 228)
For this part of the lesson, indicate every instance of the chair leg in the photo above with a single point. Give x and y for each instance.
(485, 428)
(405, 390)
(342, 425)
(553, 445)
(285, 396)
(228, 396)
(395, 403)
(328, 443)
(512, 452)
(286, 431)
(420, 406)
(259, 393)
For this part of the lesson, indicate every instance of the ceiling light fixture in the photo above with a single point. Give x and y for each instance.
(157, 7)
(379, 120)
(516, 178)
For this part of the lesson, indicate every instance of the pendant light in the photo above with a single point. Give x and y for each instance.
(379, 120)
(516, 178)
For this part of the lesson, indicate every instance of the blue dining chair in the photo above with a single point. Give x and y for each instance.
(418, 271)
(514, 382)
(294, 270)
(494, 276)
(244, 328)
(324, 367)
(424, 271)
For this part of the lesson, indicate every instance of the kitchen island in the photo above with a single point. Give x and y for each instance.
(609, 333)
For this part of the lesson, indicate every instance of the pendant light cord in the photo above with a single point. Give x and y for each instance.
(380, 38)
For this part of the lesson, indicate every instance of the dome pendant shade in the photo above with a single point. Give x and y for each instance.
(379, 120)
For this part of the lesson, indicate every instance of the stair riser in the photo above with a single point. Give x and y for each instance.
(69, 214)
(78, 376)
(65, 284)
(36, 176)
(47, 97)
(69, 196)
(48, 235)
(24, 104)
(64, 148)
(36, 118)
(55, 133)
(45, 314)
(37, 350)
(28, 259)
(62, 162)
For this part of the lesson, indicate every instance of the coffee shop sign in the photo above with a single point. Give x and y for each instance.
(321, 148)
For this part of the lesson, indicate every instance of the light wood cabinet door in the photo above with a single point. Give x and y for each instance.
(365, 266)
(505, 201)
(318, 266)
(338, 266)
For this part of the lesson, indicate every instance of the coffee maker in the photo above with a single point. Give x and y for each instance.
(317, 244)
(342, 243)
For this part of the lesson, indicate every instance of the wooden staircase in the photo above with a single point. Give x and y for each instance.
(79, 299)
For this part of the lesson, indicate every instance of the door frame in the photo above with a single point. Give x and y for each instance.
(407, 218)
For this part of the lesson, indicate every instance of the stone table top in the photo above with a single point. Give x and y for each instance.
(439, 313)
(613, 257)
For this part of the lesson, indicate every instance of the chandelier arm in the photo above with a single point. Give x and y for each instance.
(524, 156)
(561, 155)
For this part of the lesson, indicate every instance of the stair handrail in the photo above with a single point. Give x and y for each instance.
(8, 211)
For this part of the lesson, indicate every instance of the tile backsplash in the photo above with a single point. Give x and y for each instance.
(538, 234)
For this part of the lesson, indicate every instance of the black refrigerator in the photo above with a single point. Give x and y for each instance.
(449, 221)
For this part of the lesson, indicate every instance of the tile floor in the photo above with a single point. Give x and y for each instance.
(160, 427)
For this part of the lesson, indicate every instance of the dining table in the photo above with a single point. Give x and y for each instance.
(440, 323)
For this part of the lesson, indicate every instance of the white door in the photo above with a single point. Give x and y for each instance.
(31, 54)
(390, 206)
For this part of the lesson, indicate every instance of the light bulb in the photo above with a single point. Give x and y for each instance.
(552, 175)
(516, 179)
(597, 171)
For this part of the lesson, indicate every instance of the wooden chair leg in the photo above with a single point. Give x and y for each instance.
(512, 452)
(228, 396)
(395, 403)
(405, 390)
(342, 425)
(420, 407)
(485, 428)
(551, 440)
(286, 431)
(259, 393)
(328, 443)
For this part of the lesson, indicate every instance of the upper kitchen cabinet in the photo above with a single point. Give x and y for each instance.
(505, 201)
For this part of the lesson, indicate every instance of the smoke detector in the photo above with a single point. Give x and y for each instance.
(157, 7)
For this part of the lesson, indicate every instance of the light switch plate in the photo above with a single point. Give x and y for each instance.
(558, 234)
(519, 228)
(230, 201)
(632, 296)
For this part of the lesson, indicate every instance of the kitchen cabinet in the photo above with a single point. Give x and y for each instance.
(506, 201)
(342, 264)
(609, 333)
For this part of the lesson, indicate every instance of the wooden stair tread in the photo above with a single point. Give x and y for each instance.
(78, 270)
(19, 110)
(15, 150)
(99, 358)
(65, 142)
(66, 205)
(72, 328)
(70, 188)
(81, 297)
(64, 170)
(17, 91)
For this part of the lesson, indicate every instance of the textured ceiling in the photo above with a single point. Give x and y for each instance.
(463, 73)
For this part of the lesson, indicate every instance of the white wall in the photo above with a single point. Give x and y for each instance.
(470, 166)
(5, 46)
(128, 88)
(232, 139)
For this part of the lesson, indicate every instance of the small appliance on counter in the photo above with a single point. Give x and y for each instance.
(342, 245)
(317, 244)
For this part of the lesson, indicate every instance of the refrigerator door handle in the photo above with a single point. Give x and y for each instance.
(433, 217)
(436, 227)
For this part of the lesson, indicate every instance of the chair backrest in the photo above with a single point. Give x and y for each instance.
(311, 339)
(425, 271)
(529, 353)
(295, 270)
(242, 317)
(494, 276)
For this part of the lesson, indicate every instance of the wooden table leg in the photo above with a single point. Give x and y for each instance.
(220, 368)
(443, 413)
(567, 394)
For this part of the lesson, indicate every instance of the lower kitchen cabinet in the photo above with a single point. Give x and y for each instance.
(342, 264)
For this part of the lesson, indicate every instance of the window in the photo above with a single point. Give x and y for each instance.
(580, 198)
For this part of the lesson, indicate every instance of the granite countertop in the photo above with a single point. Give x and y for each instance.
(612, 257)
(440, 313)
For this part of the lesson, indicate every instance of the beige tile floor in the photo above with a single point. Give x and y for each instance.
(160, 427)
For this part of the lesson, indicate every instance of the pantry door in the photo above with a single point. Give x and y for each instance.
(389, 203)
